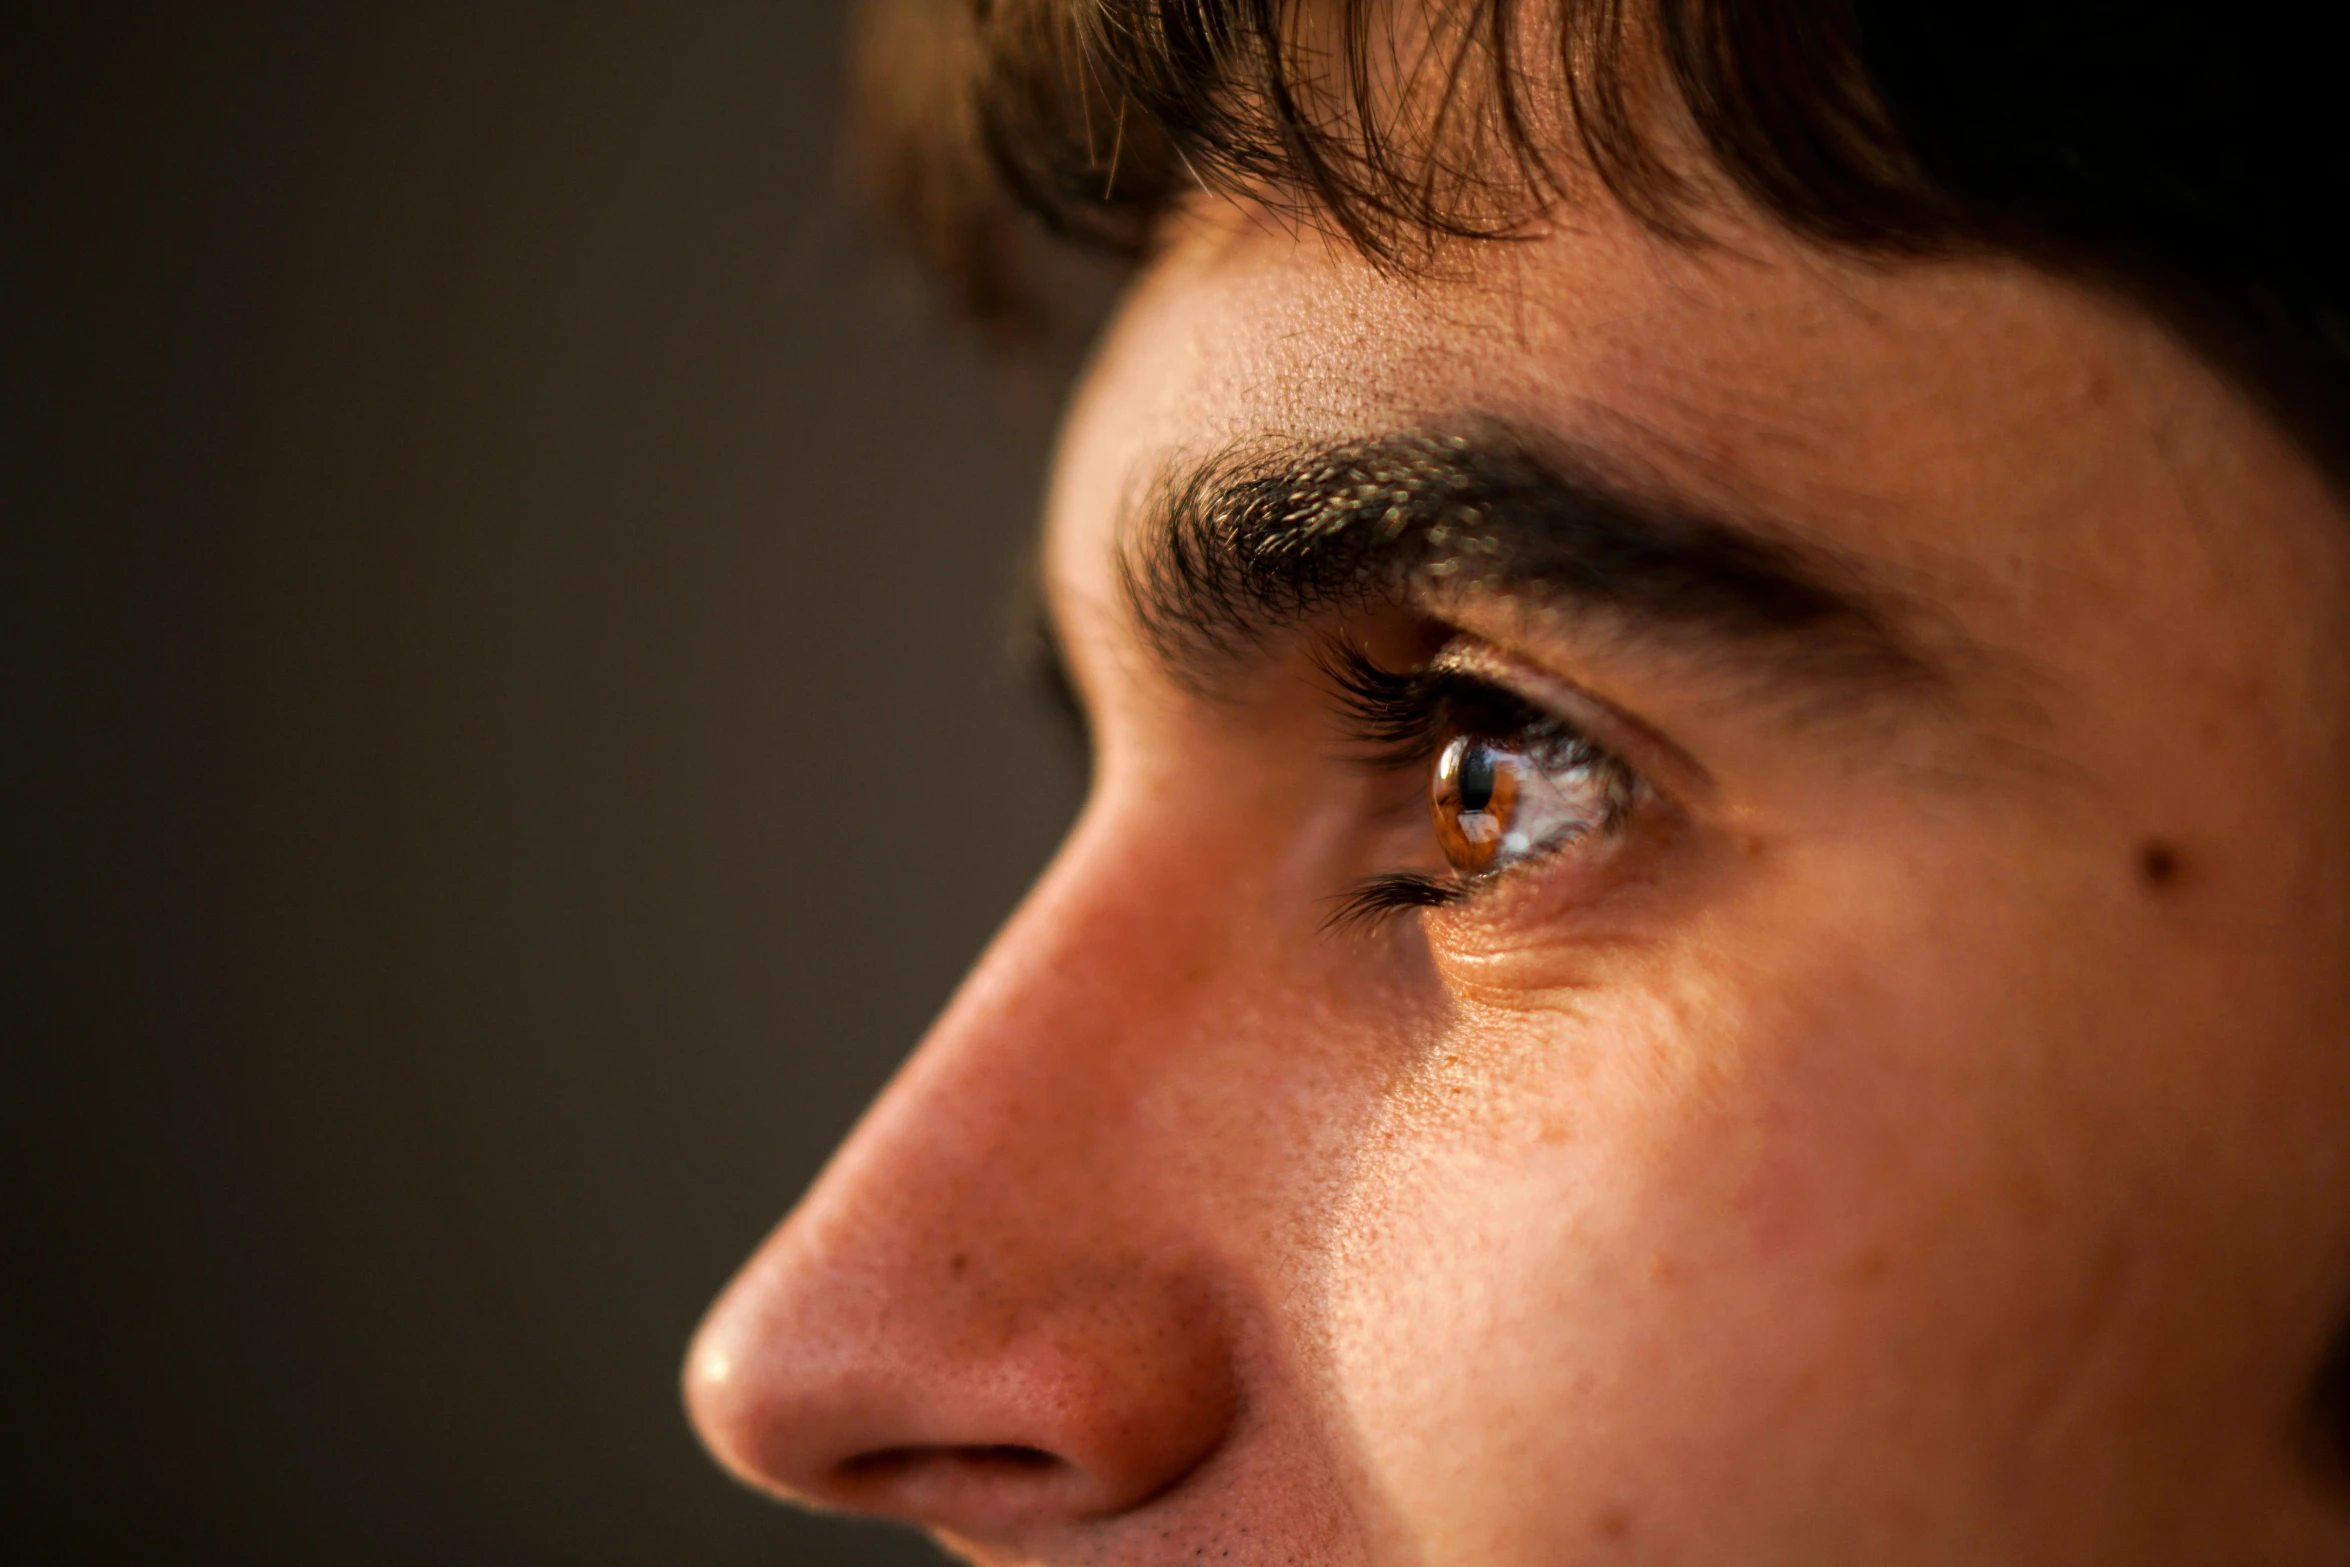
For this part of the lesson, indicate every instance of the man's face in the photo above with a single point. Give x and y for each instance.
(1858, 1070)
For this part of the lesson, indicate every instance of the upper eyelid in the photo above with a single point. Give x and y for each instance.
(1508, 711)
(1400, 714)
(1626, 738)
(1384, 709)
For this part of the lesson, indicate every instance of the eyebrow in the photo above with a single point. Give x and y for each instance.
(1228, 553)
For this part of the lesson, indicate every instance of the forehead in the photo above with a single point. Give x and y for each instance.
(1980, 423)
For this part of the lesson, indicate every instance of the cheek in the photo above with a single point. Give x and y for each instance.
(1507, 1305)
(1643, 1269)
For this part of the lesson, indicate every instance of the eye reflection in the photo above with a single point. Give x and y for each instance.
(1497, 801)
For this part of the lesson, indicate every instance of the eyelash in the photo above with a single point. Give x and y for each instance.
(1400, 718)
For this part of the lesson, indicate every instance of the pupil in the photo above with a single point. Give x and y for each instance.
(1476, 778)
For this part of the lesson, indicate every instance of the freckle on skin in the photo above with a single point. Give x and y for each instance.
(2158, 862)
(1615, 1523)
(960, 1262)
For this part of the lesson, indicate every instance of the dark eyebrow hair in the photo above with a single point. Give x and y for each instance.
(1230, 552)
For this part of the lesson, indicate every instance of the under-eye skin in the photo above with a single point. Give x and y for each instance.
(1507, 784)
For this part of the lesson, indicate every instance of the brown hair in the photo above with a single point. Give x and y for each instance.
(2174, 154)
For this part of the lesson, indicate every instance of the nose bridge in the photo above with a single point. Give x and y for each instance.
(1042, 1088)
(991, 1306)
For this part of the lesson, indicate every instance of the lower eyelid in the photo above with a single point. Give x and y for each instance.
(1393, 894)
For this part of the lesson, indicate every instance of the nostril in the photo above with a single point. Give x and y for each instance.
(1003, 1458)
(992, 1488)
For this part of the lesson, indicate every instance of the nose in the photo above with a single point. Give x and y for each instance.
(993, 1315)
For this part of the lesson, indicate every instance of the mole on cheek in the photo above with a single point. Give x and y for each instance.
(2158, 863)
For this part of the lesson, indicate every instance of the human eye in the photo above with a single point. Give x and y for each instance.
(1506, 785)
(1500, 796)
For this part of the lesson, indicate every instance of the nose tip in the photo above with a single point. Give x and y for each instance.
(954, 1416)
(1010, 1305)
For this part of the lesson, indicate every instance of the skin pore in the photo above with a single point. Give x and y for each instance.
(1907, 1128)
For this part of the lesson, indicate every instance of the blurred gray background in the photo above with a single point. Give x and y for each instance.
(505, 582)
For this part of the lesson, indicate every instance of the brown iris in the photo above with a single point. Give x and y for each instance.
(1474, 800)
